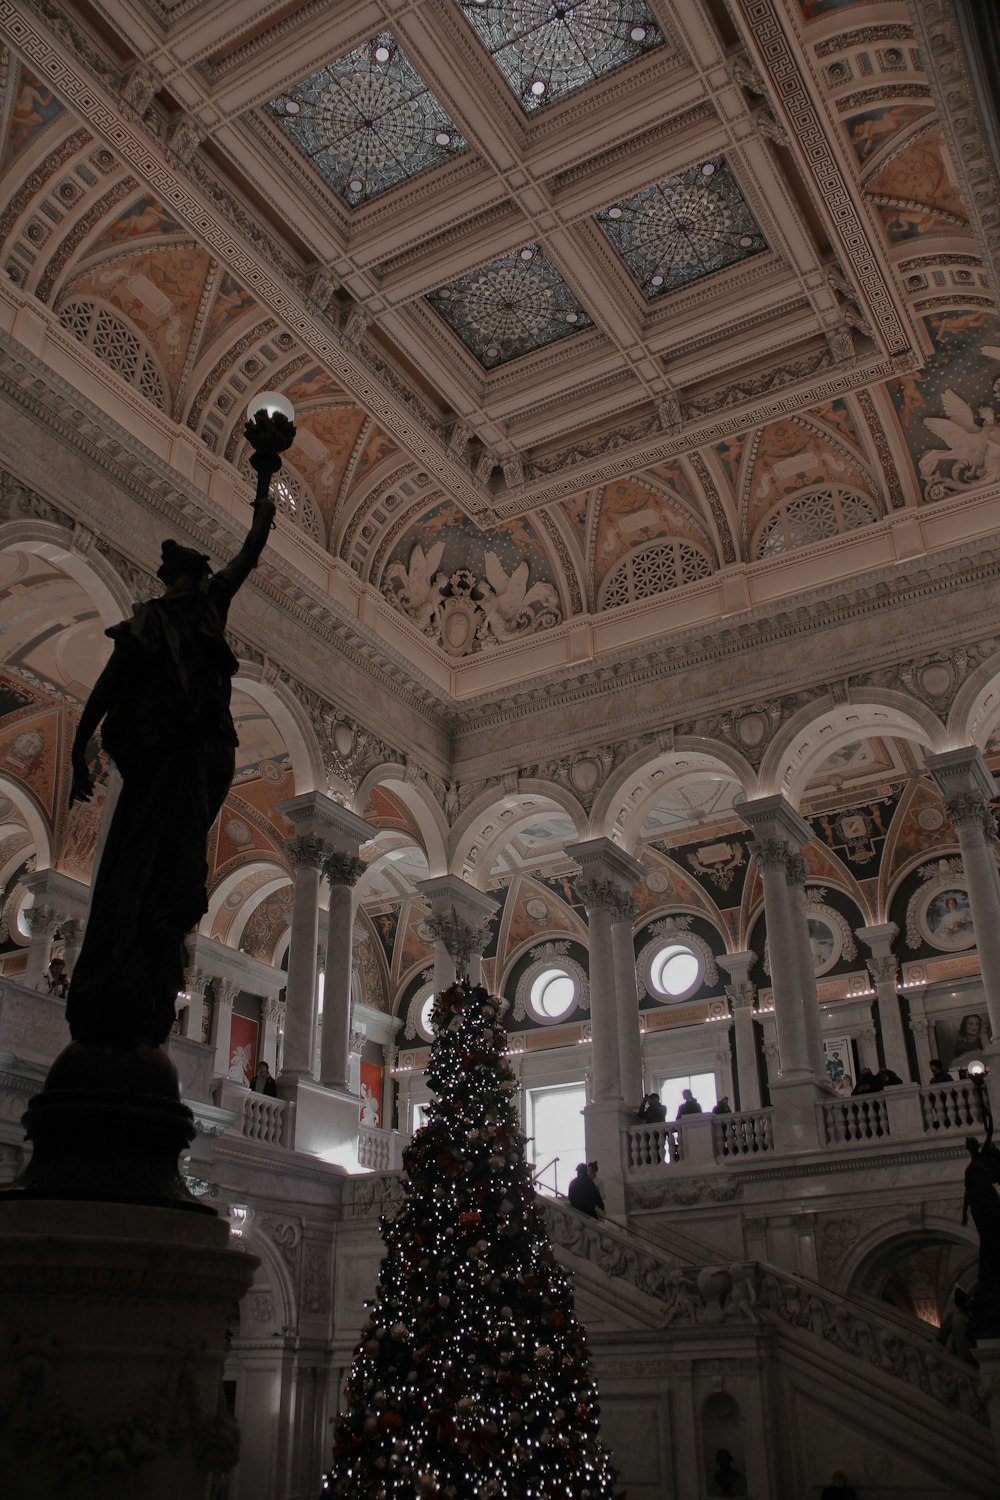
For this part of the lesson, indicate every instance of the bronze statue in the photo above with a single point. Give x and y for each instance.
(163, 699)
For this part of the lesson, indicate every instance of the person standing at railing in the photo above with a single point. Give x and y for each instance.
(263, 1083)
(723, 1107)
(652, 1110)
(866, 1084)
(689, 1105)
(939, 1073)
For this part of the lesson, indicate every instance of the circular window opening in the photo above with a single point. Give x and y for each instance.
(424, 1017)
(675, 970)
(553, 993)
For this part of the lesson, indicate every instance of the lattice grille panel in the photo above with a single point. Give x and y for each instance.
(654, 570)
(811, 516)
(111, 339)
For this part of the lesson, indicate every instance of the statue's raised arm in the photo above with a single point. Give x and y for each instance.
(163, 702)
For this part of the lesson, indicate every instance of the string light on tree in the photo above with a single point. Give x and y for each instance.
(471, 1377)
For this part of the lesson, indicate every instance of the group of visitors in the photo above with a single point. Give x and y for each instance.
(653, 1111)
(55, 980)
(874, 1083)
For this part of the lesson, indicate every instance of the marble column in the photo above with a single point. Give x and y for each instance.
(72, 929)
(607, 879)
(967, 787)
(920, 1027)
(41, 921)
(795, 878)
(868, 1047)
(883, 966)
(458, 920)
(225, 991)
(623, 914)
(308, 852)
(742, 996)
(779, 834)
(272, 1013)
(343, 871)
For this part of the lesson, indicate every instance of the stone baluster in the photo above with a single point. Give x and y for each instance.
(342, 870)
(41, 921)
(968, 788)
(742, 995)
(623, 914)
(883, 966)
(308, 852)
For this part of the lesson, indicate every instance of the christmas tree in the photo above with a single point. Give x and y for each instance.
(471, 1377)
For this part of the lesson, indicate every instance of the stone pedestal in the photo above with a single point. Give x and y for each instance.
(112, 1340)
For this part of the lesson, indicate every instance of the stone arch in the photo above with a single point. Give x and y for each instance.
(292, 723)
(817, 730)
(975, 713)
(418, 799)
(494, 817)
(34, 818)
(232, 882)
(88, 567)
(873, 1257)
(257, 1236)
(620, 807)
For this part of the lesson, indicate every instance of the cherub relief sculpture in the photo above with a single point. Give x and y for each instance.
(973, 450)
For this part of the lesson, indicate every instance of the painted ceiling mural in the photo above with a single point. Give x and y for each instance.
(369, 126)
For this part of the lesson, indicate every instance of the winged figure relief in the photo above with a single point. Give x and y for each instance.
(507, 601)
(973, 441)
(415, 587)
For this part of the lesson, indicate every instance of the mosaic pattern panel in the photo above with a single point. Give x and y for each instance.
(367, 121)
(683, 228)
(509, 307)
(546, 51)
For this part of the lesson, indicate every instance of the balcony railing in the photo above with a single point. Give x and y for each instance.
(263, 1119)
(747, 1134)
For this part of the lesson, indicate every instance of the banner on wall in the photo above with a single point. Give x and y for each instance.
(242, 1049)
(370, 1112)
(839, 1060)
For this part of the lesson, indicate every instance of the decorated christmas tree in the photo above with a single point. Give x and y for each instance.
(471, 1377)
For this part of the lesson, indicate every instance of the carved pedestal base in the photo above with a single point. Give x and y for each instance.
(112, 1340)
(108, 1126)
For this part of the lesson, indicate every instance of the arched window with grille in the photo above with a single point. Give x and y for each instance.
(654, 569)
(121, 346)
(821, 511)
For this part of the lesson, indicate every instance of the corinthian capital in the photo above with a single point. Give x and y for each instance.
(795, 868)
(343, 869)
(971, 810)
(307, 851)
(772, 854)
(599, 895)
(625, 908)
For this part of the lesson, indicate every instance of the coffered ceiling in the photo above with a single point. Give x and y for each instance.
(584, 307)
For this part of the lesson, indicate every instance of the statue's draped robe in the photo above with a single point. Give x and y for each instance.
(170, 732)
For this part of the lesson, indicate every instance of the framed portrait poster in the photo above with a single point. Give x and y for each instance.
(960, 1038)
(838, 1057)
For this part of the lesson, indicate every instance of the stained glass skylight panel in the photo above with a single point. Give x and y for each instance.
(683, 228)
(547, 49)
(511, 306)
(367, 121)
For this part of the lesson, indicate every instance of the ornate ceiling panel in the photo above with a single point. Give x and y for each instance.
(367, 121)
(545, 51)
(683, 228)
(553, 365)
(511, 306)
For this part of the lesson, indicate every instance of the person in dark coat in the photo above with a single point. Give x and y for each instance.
(584, 1194)
(939, 1073)
(652, 1110)
(723, 1107)
(263, 1083)
(866, 1084)
(689, 1105)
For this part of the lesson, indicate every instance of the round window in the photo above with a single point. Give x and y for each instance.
(424, 1017)
(553, 993)
(675, 970)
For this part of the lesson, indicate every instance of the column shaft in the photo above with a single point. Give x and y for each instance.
(342, 870)
(975, 838)
(746, 1054)
(792, 1029)
(604, 1026)
(795, 875)
(627, 1000)
(300, 993)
